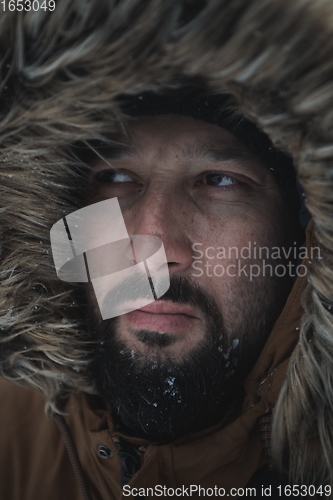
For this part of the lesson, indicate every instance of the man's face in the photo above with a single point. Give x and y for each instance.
(197, 188)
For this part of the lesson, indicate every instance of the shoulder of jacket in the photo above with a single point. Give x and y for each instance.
(19, 395)
(19, 405)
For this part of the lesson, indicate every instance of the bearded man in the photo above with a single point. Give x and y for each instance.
(220, 385)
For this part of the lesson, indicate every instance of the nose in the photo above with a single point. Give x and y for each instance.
(163, 213)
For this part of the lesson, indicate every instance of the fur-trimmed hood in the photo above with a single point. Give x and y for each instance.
(61, 73)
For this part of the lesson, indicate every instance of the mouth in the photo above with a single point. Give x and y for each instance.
(163, 317)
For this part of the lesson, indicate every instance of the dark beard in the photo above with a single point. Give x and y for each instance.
(164, 399)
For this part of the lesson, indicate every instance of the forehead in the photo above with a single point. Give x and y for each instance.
(177, 132)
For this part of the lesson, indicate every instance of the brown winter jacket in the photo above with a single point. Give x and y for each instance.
(61, 73)
(34, 462)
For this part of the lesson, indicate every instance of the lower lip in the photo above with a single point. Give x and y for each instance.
(170, 323)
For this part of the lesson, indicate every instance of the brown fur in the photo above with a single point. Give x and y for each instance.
(60, 73)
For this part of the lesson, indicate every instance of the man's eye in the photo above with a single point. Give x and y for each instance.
(216, 179)
(112, 176)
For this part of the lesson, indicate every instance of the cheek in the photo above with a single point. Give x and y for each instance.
(225, 247)
(223, 239)
(260, 218)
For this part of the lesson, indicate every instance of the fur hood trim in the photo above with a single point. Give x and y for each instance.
(60, 74)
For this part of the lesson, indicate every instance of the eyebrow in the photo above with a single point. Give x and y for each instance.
(216, 155)
(93, 152)
(221, 155)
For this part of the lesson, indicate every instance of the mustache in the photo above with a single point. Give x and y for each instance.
(182, 290)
